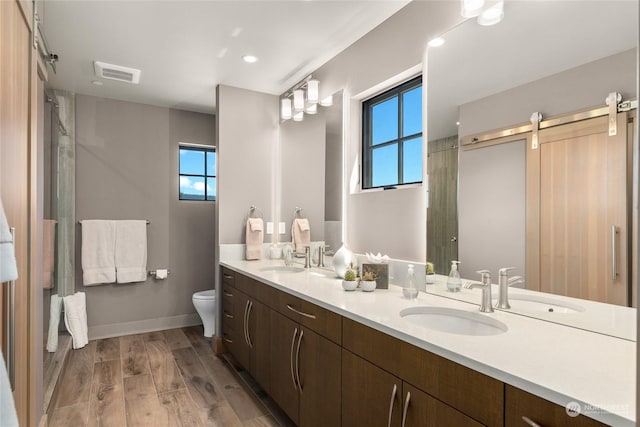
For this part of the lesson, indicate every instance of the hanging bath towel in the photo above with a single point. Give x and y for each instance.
(131, 251)
(254, 238)
(98, 249)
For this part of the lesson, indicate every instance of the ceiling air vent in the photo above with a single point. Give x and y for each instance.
(116, 72)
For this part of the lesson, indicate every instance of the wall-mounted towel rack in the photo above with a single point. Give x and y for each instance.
(254, 211)
(153, 272)
(297, 212)
(80, 222)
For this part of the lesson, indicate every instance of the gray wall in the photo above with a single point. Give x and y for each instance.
(247, 136)
(302, 154)
(579, 88)
(127, 168)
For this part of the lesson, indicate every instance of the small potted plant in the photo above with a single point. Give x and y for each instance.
(350, 282)
(368, 281)
(430, 274)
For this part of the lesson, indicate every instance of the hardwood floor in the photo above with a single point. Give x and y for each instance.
(167, 378)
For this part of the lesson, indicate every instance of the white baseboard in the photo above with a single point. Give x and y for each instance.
(141, 326)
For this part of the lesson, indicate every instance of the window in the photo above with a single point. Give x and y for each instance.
(197, 173)
(392, 137)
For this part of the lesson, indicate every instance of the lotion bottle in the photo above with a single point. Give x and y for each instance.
(453, 282)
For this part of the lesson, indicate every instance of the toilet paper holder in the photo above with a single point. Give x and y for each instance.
(154, 272)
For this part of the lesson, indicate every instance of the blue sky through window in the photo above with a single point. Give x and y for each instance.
(385, 121)
(197, 180)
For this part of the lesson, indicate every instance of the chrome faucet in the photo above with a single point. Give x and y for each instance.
(307, 257)
(485, 303)
(503, 288)
(321, 251)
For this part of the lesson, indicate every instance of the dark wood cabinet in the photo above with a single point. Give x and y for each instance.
(284, 388)
(421, 410)
(522, 406)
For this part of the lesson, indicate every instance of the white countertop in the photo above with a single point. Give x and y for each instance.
(558, 363)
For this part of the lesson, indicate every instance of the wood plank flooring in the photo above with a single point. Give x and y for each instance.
(167, 378)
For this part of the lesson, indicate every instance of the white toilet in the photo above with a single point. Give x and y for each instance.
(205, 304)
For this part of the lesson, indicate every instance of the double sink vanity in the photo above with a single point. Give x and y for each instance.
(330, 357)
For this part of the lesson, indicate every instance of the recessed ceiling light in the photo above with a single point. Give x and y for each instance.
(250, 59)
(457, 123)
(437, 42)
(97, 82)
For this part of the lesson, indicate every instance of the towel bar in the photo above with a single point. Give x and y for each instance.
(80, 221)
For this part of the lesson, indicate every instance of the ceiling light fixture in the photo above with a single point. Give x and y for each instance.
(250, 59)
(471, 8)
(492, 15)
(303, 97)
(488, 12)
(437, 42)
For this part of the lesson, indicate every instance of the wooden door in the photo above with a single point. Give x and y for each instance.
(258, 333)
(370, 395)
(319, 367)
(284, 336)
(583, 211)
(423, 410)
(442, 214)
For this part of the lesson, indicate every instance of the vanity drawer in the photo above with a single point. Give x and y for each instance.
(228, 276)
(254, 288)
(521, 404)
(472, 393)
(318, 319)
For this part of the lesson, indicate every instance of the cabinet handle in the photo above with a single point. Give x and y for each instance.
(529, 422)
(614, 253)
(298, 361)
(248, 330)
(406, 408)
(244, 326)
(227, 276)
(227, 294)
(293, 341)
(393, 398)
(227, 339)
(226, 314)
(10, 309)
(301, 313)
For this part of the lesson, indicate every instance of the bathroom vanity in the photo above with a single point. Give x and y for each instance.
(330, 357)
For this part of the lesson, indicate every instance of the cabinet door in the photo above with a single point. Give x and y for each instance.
(520, 405)
(240, 347)
(421, 410)
(318, 368)
(284, 337)
(258, 337)
(370, 396)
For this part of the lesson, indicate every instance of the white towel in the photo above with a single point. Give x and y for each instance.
(8, 267)
(54, 322)
(98, 249)
(300, 234)
(131, 251)
(254, 239)
(75, 318)
(8, 416)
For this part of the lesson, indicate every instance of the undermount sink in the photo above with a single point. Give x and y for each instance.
(543, 304)
(283, 269)
(454, 321)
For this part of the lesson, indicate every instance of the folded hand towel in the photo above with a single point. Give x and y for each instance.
(8, 267)
(48, 252)
(98, 249)
(75, 318)
(254, 240)
(54, 322)
(131, 251)
(300, 234)
(256, 224)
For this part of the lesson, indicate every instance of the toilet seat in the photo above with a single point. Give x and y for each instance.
(205, 295)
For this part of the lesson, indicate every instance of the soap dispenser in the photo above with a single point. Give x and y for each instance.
(411, 290)
(453, 282)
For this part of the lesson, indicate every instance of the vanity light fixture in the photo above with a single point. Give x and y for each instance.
(437, 42)
(471, 8)
(492, 15)
(303, 97)
(250, 59)
(488, 12)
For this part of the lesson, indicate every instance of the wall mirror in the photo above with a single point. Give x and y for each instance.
(555, 58)
(311, 173)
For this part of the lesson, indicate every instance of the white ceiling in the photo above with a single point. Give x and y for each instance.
(185, 48)
(536, 39)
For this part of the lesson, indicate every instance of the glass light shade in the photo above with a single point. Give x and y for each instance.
(285, 109)
(327, 102)
(311, 109)
(312, 91)
(299, 116)
(471, 8)
(492, 15)
(298, 100)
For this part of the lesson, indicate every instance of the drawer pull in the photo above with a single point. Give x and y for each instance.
(301, 313)
(249, 308)
(530, 422)
(245, 323)
(227, 294)
(406, 408)
(298, 361)
(226, 314)
(227, 276)
(293, 341)
(227, 339)
(393, 398)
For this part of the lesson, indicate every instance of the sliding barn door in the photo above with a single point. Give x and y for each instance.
(583, 211)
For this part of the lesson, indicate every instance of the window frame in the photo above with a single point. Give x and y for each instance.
(367, 135)
(205, 149)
